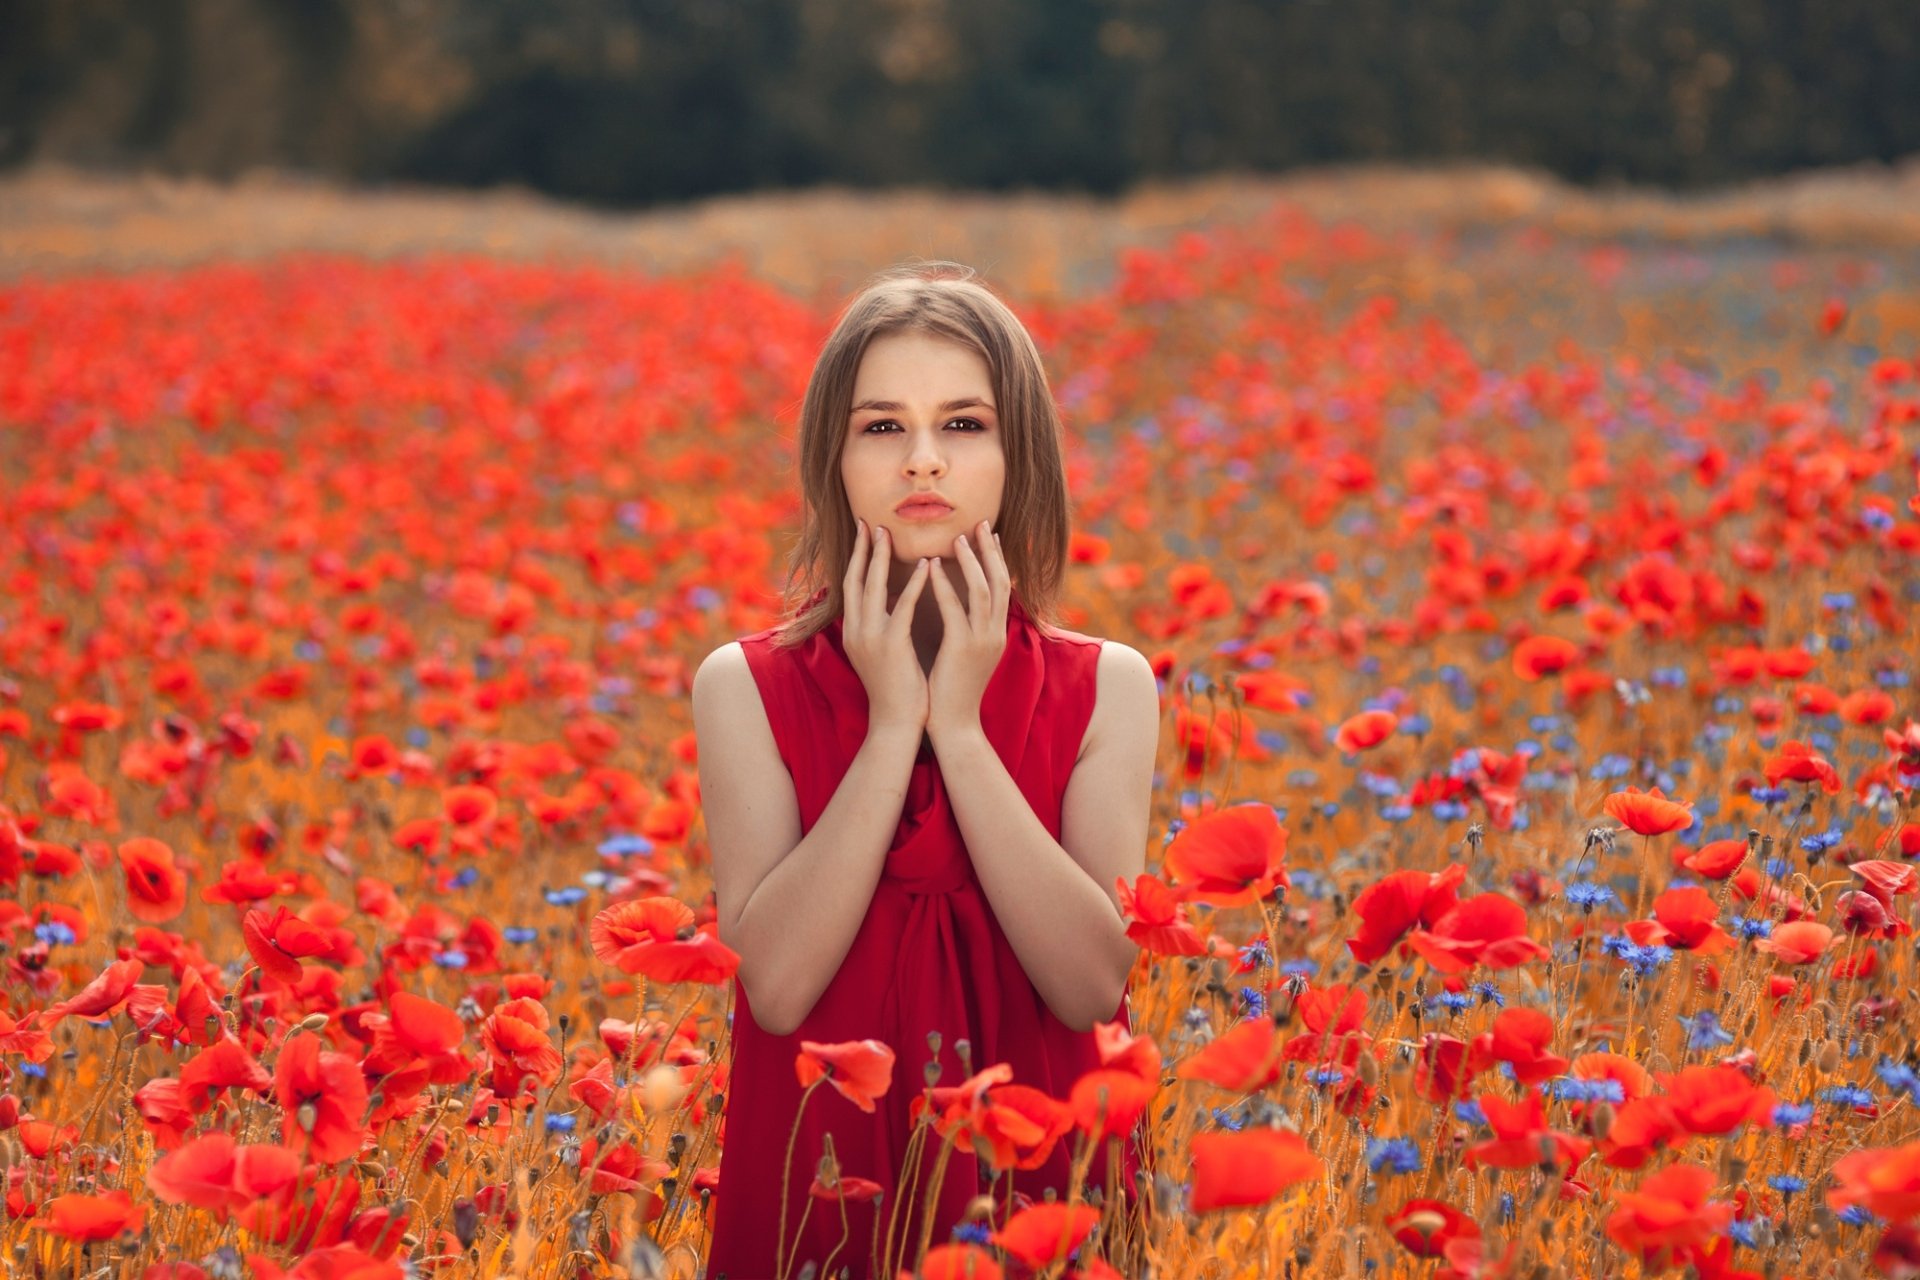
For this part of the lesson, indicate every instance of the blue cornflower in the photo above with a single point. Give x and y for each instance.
(1643, 960)
(1750, 926)
(1779, 868)
(1846, 1095)
(1255, 954)
(1586, 895)
(1402, 1155)
(1578, 1089)
(1452, 1001)
(1253, 1002)
(1611, 765)
(38, 1070)
(1302, 967)
(1449, 810)
(1417, 723)
(1788, 1114)
(1877, 520)
(1228, 1120)
(625, 846)
(519, 933)
(1787, 1184)
(1741, 1231)
(980, 1233)
(1668, 677)
(1892, 678)
(1769, 795)
(1464, 764)
(1468, 1111)
(1489, 993)
(1507, 1207)
(1837, 601)
(1900, 1076)
(1377, 784)
(465, 877)
(560, 1123)
(1397, 812)
(54, 934)
(1704, 1030)
(566, 897)
(1857, 1216)
(1821, 842)
(451, 959)
(1320, 1077)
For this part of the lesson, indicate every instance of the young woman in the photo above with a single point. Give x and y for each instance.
(918, 793)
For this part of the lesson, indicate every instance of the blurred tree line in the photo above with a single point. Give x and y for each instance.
(630, 101)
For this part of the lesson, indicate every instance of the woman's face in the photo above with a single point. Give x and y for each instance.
(923, 423)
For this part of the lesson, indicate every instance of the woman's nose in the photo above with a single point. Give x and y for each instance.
(925, 459)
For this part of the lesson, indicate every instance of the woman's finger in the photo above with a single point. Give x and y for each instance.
(878, 565)
(952, 613)
(979, 591)
(850, 586)
(902, 619)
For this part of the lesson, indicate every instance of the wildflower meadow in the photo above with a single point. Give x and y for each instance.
(1532, 877)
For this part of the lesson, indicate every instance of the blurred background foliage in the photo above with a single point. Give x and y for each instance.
(627, 102)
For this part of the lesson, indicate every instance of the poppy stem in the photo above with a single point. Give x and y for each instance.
(786, 1176)
(933, 1200)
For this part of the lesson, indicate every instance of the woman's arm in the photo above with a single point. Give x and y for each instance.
(1055, 900)
(789, 906)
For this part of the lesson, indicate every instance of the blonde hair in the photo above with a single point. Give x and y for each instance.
(944, 300)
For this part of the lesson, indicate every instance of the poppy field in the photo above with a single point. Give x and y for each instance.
(1532, 878)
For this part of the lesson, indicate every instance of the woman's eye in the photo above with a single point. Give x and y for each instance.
(970, 425)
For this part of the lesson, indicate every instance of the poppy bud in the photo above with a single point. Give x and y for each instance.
(306, 1115)
(313, 1022)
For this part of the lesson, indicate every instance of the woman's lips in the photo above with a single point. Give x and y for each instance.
(925, 511)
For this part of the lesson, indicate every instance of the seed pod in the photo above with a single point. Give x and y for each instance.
(1829, 1059)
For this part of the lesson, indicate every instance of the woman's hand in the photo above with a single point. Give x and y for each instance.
(974, 634)
(879, 644)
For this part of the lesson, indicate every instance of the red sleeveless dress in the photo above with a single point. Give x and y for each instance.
(928, 957)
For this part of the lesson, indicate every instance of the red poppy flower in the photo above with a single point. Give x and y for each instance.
(1648, 813)
(1716, 1100)
(862, 1070)
(1885, 1181)
(1044, 1234)
(656, 937)
(1641, 1127)
(224, 1064)
(323, 1100)
(84, 1217)
(1684, 920)
(1799, 942)
(424, 1026)
(957, 1262)
(101, 996)
(1887, 880)
(1054, 1119)
(1667, 1213)
(1520, 1037)
(1120, 1049)
(1245, 1058)
(1538, 656)
(1717, 859)
(280, 941)
(25, 1037)
(1521, 1138)
(1106, 1103)
(469, 806)
(1231, 857)
(1366, 730)
(1490, 929)
(1156, 920)
(1334, 1016)
(1397, 903)
(519, 1050)
(1426, 1227)
(1249, 1167)
(856, 1190)
(1797, 762)
(156, 888)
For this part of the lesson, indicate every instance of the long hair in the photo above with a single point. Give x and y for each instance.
(944, 300)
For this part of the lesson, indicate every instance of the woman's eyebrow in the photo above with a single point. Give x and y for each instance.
(889, 406)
